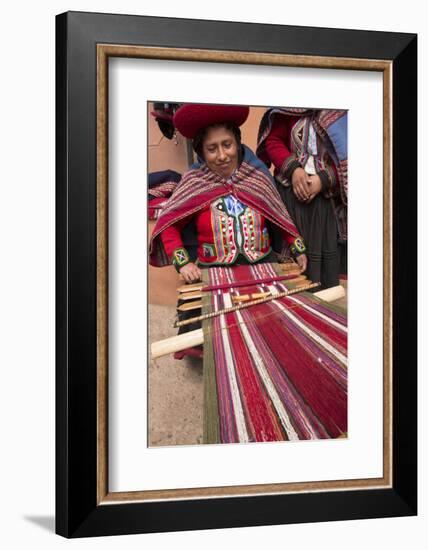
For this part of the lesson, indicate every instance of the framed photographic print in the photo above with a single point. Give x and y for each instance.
(257, 377)
(265, 177)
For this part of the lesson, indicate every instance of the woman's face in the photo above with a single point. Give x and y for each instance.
(220, 151)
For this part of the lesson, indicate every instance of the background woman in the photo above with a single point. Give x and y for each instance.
(308, 149)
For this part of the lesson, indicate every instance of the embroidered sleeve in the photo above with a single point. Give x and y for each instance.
(277, 148)
(298, 247)
(328, 181)
(180, 257)
(296, 244)
(289, 165)
(171, 238)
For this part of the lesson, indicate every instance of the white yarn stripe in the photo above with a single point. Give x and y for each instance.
(309, 331)
(319, 314)
(236, 398)
(273, 394)
(303, 418)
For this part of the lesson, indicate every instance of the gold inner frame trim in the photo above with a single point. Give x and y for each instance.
(104, 51)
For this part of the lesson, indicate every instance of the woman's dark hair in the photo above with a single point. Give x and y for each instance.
(198, 140)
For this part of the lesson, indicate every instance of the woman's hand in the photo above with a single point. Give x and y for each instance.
(300, 183)
(302, 262)
(315, 186)
(191, 273)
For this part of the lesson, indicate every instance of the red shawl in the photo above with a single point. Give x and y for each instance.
(252, 184)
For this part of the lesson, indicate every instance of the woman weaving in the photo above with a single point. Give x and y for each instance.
(228, 193)
(276, 370)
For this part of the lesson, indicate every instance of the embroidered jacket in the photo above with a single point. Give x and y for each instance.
(225, 229)
(203, 196)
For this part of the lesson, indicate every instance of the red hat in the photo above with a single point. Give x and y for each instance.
(192, 117)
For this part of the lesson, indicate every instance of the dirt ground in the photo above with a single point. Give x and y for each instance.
(175, 390)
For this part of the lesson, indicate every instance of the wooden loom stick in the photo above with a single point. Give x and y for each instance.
(197, 304)
(292, 277)
(253, 282)
(298, 279)
(245, 305)
(331, 294)
(289, 267)
(177, 343)
(190, 288)
(245, 297)
(194, 295)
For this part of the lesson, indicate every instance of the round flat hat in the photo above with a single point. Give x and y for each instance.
(192, 117)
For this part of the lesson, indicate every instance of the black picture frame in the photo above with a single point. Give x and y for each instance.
(79, 512)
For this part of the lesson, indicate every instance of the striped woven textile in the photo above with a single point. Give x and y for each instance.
(275, 371)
